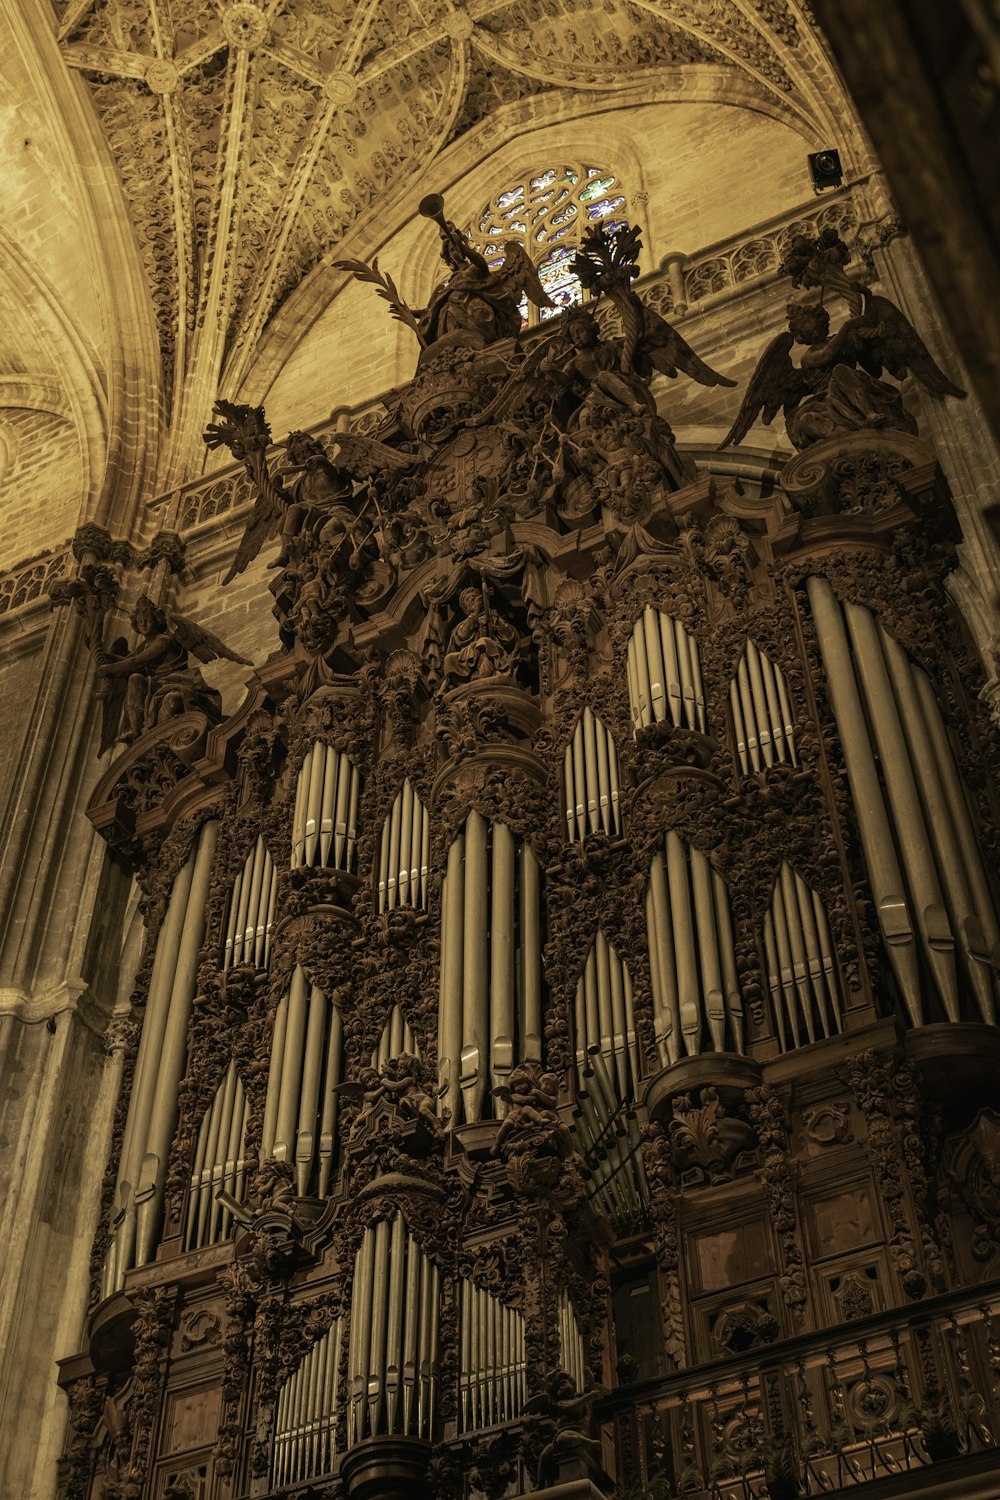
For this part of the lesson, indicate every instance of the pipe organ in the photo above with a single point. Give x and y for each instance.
(392, 1370)
(802, 972)
(936, 909)
(305, 1427)
(404, 852)
(251, 911)
(325, 818)
(761, 711)
(617, 1113)
(300, 1112)
(664, 674)
(395, 1041)
(490, 1010)
(591, 781)
(696, 991)
(605, 1018)
(219, 1163)
(572, 1355)
(152, 1113)
(491, 1371)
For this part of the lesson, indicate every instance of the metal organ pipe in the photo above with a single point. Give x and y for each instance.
(590, 773)
(121, 1250)
(571, 1349)
(692, 955)
(251, 911)
(802, 972)
(904, 801)
(324, 818)
(219, 1163)
(392, 1354)
(923, 859)
(300, 1108)
(476, 940)
(490, 1005)
(664, 673)
(760, 705)
(305, 1427)
(172, 1052)
(491, 1359)
(862, 773)
(396, 1039)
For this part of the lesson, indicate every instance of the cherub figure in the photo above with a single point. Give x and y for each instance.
(402, 1081)
(158, 680)
(837, 387)
(571, 1452)
(532, 1099)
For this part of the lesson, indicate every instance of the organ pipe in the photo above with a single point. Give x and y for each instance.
(604, 1015)
(250, 915)
(300, 1108)
(663, 664)
(760, 706)
(927, 873)
(152, 1111)
(696, 994)
(219, 1163)
(305, 1427)
(404, 853)
(490, 1002)
(591, 780)
(395, 1041)
(491, 1359)
(325, 815)
(392, 1354)
(572, 1356)
(802, 973)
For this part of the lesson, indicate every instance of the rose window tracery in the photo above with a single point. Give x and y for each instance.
(548, 212)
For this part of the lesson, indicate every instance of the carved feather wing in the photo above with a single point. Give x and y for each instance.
(519, 275)
(774, 384)
(262, 524)
(363, 456)
(895, 345)
(662, 348)
(201, 642)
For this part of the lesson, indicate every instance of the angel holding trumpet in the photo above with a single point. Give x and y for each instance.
(837, 385)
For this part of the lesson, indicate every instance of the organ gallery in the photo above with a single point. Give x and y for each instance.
(544, 935)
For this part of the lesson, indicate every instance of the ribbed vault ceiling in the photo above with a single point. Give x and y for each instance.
(252, 139)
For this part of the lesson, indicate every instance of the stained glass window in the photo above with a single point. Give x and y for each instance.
(548, 211)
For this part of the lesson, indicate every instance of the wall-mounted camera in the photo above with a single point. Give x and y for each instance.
(825, 169)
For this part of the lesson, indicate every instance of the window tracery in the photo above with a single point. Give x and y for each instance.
(548, 211)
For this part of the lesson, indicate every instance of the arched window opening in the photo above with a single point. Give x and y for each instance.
(548, 211)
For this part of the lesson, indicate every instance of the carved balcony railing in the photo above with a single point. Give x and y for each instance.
(894, 1392)
(30, 580)
(682, 286)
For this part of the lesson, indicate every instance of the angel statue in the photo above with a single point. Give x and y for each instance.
(837, 386)
(306, 494)
(475, 306)
(565, 1416)
(607, 264)
(156, 681)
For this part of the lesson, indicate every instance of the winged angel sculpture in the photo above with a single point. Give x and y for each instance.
(157, 680)
(837, 386)
(311, 501)
(475, 306)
